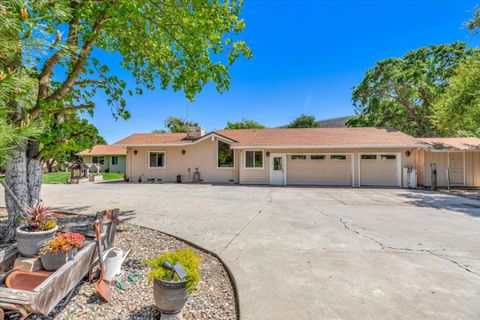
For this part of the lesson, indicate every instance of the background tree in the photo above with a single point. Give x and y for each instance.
(244, 124)
(46, 59)
(457, 111)
(75, 134)
(304, 121)
(401, 93)
(176, 125)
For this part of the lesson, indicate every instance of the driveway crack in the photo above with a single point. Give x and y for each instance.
(244, 227)
(428, 251)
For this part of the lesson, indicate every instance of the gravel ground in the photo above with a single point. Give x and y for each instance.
(213, 299)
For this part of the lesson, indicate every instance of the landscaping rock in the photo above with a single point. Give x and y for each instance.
(213, 299)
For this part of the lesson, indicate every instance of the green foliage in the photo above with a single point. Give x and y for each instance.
(48, 73)
(457, 111)
(176, 125)
(304, 121)
(474, 23)
(55, 177)
(189, 260)
(112, 175)
(400, 93)
(244, 124)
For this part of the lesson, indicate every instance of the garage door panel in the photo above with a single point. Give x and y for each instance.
(379, 170)
(320, 172)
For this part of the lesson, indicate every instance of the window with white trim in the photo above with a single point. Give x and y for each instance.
(224, 155)
(388, 157)
(156, 159)
(369, 157)
(338, 157)
(317, 157)
(253, 159)
(114, 160)
(299, 157)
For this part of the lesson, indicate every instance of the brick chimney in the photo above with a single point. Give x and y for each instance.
(195, 132)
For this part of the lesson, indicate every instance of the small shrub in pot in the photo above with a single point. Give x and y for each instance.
(171, 292)
(56, 252)
(38, 225)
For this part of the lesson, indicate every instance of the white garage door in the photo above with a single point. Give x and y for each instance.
(319, 169)
(379, 169)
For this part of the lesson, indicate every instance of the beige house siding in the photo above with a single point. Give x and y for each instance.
(202, 155)
(121, 167)
(262, 176)
(472, 168)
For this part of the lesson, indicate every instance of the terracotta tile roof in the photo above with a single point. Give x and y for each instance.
(101, 149)
(452, 143)
(153, 139)
(320, 137)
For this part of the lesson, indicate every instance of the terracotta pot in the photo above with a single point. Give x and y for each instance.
(170, 297)
(28, 281)
(29, 243)
(52, 262)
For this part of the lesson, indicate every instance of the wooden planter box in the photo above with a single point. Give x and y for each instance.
(51, 291)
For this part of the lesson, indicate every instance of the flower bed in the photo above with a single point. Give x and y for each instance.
(213, 299)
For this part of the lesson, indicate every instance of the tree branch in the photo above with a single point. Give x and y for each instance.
(80, 61)
(71, 108)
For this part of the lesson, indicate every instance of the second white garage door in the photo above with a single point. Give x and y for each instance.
(379, 169)
(319, 169)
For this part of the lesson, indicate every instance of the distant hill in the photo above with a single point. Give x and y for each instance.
(334, 123)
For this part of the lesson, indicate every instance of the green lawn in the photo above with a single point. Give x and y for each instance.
(55, 177)
(62, 177)
(112, 176)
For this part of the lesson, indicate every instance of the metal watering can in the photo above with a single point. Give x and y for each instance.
(112, 260)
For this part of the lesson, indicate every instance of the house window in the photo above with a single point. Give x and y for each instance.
(114, 160)
(157, 159)
(338, 157)
(298, 157)
(388, 157)
(369, 157)
(317, 157)
(98, 160)
(253, 159)
(224, 155)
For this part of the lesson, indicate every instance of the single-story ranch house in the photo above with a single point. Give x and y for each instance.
(314, 156)
(110, 158)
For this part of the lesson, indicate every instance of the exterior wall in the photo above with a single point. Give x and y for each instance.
(472, 168)
(108, 166)
(262, 176)
(202, 155)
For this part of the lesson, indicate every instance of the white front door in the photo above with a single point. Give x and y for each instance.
(278, 165)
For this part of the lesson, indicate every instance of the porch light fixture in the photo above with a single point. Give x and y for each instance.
(268, 153)
(135, 151)
(183, 151)
(407, 153)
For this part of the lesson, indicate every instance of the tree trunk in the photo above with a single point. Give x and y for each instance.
(49, 163)
(23, 175)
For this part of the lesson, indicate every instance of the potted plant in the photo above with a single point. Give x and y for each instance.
(171, 289)
(37, 226)
(56, 252)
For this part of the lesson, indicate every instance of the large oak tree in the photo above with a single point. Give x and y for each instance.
(49, 69)
(401, 93)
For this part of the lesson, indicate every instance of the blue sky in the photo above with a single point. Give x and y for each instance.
(307, 56)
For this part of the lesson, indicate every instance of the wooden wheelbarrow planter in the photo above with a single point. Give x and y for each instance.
(50, 292)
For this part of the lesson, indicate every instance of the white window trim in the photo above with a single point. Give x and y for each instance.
(254, 168)
(164, 159)
(338, 154)
(299, 154)
(216, 157)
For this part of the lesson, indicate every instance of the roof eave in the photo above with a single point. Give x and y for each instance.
(372, 146)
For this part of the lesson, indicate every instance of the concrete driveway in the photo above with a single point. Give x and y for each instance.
(317, 253)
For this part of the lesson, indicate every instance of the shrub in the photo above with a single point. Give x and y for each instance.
(63, 243)
(187, 258)
(39, 218)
